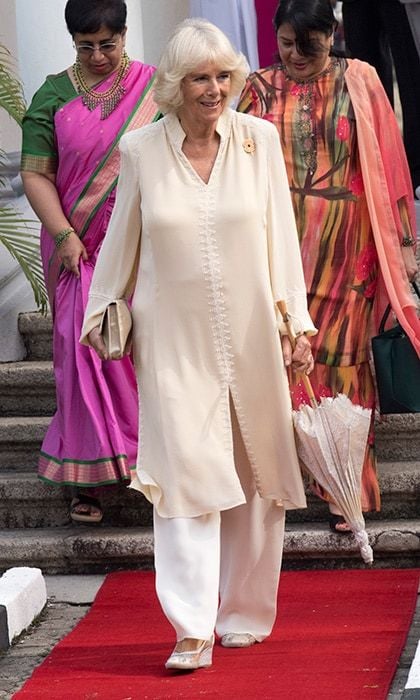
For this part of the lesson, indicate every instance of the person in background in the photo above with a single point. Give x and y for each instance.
(412, 8)
(204, 224)
(353, 203)
(267, 45)
(379, 32)
(70, 165)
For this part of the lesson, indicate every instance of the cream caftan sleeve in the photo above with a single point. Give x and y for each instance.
(116, 267)
(287, 280)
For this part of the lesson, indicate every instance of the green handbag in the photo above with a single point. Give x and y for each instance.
(397, 369)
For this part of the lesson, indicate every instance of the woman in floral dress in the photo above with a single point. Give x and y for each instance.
(352, 199)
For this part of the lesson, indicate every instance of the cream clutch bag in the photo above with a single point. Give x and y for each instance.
(116, 329)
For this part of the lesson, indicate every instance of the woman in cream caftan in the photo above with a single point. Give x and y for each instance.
(204, 311)
(209, 260)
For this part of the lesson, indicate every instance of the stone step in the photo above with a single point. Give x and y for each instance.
(77, 549)
(20, 440)
(28, 502)
(27, 388)
(397, 436)
(99, 549)
(395, 543)
(36, 332)
(399, 484)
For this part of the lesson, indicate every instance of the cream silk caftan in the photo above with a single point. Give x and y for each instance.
(207, 263)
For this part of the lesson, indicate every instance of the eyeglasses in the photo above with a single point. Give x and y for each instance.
(87, 49)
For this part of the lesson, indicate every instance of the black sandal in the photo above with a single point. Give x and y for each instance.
(334, 520)
(87, 503)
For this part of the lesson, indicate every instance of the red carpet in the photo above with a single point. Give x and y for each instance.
(339, 634)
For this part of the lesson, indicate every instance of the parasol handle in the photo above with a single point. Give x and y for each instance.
(281, 305)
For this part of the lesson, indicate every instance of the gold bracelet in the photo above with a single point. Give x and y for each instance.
(408, 242)
(63, 236)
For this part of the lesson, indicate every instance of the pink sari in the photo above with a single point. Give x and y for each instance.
(92, 439)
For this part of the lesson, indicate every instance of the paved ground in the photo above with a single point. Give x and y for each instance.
(69, 598)
(17, 664)
(397, 689)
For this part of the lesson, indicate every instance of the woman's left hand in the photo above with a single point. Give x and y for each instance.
(301, 357)
(410, 261)
(97, 342)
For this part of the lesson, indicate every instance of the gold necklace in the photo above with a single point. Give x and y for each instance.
(305, 122)
(109, 99)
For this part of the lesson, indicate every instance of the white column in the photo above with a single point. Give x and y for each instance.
(159, 19)
(10, 138)
(44, 44)
(15, 292)
(135, 30)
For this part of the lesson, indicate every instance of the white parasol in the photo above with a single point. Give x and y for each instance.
(331, 440)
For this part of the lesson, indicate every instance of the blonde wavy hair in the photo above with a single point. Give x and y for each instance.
(196, 41)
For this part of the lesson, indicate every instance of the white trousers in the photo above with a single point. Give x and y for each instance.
(235, 554)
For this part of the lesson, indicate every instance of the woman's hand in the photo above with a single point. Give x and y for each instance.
(97, 342)
(70, 252)
(42, 194)
(410, 261)
(300, 358)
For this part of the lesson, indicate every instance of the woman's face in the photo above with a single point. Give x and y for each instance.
(298, 66)
(100, 53)
(206, 92)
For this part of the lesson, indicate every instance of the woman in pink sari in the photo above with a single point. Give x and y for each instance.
(70, 164)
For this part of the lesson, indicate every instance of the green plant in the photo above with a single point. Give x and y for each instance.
(17, 233)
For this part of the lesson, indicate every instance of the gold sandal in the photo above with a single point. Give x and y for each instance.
(191, 660)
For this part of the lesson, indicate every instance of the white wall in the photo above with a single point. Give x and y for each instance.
(159, 19)
(10, 138)
(135, 30)
(43, 42)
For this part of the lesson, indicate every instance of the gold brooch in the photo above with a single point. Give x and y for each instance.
(249, 146)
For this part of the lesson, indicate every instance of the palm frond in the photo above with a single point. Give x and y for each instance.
(11, 90)
(15, 231)
(16, 236)
(3, 161)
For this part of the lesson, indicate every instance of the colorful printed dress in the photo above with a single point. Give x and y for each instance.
(92, 438)
(316, 123)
